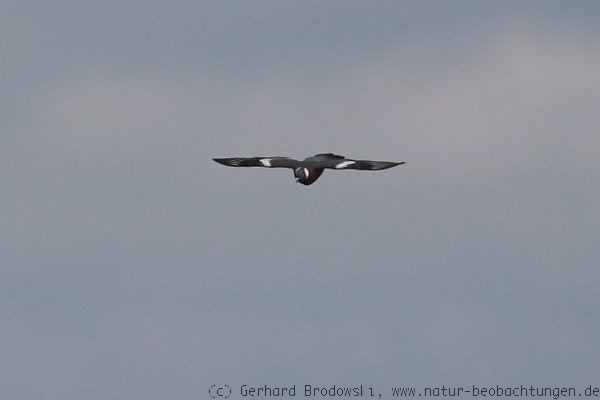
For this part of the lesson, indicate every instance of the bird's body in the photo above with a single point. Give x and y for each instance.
(310, 169)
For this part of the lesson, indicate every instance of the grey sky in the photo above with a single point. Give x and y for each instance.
(134, 267)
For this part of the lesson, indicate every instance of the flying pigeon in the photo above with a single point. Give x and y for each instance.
(308, 171)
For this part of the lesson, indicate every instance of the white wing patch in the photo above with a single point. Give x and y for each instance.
(306, 172)
(265, 161)
(344, 164)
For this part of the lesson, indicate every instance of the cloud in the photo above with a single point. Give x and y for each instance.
(515, 88)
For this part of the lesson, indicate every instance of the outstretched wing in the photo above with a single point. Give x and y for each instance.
(268, 162)
(367, 165)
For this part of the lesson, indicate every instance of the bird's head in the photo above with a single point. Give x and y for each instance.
(301, 174)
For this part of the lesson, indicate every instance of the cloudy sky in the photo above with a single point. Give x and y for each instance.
(134, 267)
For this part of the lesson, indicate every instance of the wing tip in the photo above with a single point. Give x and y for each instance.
(396, 164)
(224, 161)
(389, 164)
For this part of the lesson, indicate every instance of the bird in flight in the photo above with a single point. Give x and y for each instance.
(310, 169)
